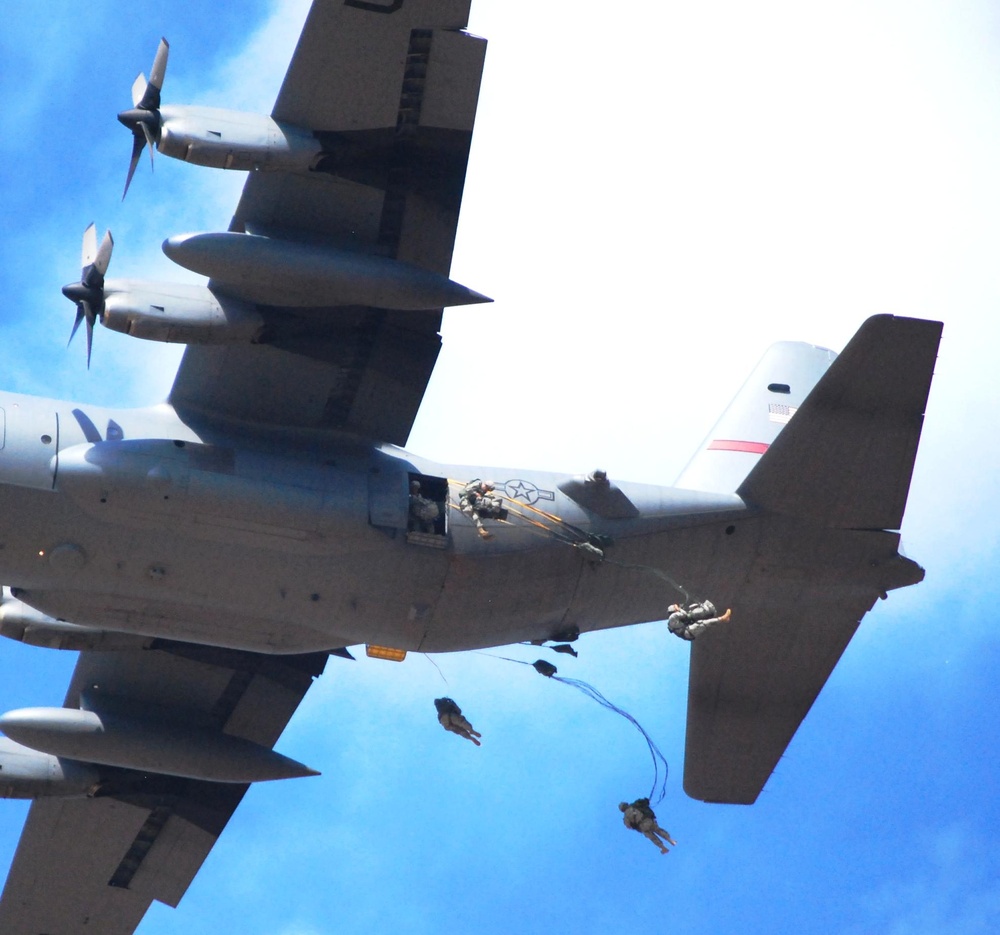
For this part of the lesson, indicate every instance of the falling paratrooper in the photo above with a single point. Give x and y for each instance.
(690, 622)
(639, 816)
(451, 719)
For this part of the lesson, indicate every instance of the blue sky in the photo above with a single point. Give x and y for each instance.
(652, 200)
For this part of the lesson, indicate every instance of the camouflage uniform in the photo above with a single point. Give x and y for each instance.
(639, 816)
(687, 624)
(476, 499)
(451, 719)
(423, 512)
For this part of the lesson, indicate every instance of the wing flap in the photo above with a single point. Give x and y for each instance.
(358, 45)
(224, 379)
(169, 868)
(450, 98)
(58, 882)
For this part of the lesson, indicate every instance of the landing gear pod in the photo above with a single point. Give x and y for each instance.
(147, 743)
(288, 273)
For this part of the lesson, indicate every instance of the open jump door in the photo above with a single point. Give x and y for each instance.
(412, 503)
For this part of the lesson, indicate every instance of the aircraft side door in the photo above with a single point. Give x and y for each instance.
(388, 494)
(29, 442)
(403, 500)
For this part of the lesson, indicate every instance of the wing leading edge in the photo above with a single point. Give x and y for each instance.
(829, 487)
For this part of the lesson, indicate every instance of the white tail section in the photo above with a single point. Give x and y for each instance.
(760, 410)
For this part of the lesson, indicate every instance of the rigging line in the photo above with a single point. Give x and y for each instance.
(531, 527)
(662, 575)
(540, 525)
(557, 519)
(536, 528)
(503, 522)
(541, 512)
(436, 666)
(659, 789)
(659, 786)
(520, 662)
(580, 533)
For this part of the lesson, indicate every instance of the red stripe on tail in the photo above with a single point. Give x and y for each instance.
(724, 444)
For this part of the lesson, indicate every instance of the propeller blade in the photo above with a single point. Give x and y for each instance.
(144, 117)
(103, 257)
(159, 71)
(76, 324)
(150, 99)
(89, 246)
(88, 293)
(146, 132)
(138, 141)
(138, 89)
(89, 315)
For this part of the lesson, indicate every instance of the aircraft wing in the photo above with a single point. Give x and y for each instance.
(390, 88)
(94, 864)
(830, 488)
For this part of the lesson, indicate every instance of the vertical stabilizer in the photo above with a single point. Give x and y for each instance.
(847, 458)
(760, 410)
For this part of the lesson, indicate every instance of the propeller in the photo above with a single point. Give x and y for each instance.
(88, 293)
(143, 119)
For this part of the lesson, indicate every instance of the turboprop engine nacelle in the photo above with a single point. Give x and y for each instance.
(231, 139)
(28, 774)
(177, 313)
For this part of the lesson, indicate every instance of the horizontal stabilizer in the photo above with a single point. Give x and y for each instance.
(846, 457)
(754, 679)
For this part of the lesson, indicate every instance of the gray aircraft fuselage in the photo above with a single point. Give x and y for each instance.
(133, 521)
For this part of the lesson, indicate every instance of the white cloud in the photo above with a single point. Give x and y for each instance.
(249, 80)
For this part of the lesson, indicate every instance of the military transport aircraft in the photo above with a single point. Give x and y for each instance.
(207, 554)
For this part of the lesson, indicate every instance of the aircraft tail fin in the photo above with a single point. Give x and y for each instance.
(760, 410)
(846, 458)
